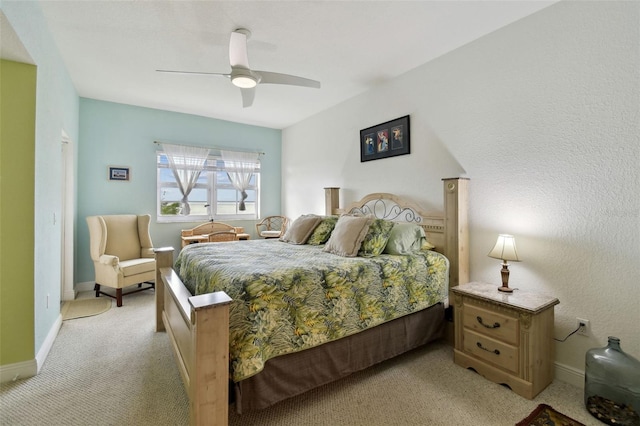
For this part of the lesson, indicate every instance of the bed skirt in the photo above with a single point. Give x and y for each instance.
(293, 374)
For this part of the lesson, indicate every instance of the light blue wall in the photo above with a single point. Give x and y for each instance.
(123, 135)
(56, 110)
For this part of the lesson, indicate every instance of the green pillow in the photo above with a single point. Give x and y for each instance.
(322, 232)
(405, 238)
(376, 239)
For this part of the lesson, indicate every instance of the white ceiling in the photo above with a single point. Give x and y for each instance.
(112, 48)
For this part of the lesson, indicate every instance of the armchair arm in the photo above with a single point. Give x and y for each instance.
(107, 259)
(147, 252)
(261, 226)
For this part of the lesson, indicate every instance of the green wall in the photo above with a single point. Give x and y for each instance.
(17, 183)
(56, 110)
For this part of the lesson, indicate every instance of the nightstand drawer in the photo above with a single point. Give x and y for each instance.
(490, 323)
(491, 350)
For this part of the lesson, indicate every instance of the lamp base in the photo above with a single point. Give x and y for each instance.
(504, 272)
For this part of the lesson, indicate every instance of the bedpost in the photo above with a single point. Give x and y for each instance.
(209, 382)
(456, 239)
(164, 259)
(331, 200)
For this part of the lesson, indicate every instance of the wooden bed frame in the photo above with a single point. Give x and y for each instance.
(198, 326)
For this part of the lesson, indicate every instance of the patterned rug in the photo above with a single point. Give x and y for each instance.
(84, 308)
(545, 415)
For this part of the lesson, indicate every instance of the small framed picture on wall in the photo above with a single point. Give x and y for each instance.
(119, 173)
(385, 140)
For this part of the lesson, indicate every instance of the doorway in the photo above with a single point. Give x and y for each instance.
(67, 292)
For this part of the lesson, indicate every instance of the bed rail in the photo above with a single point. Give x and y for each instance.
(198, 328)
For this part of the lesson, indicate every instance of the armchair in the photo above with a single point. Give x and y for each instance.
(122, 253)
(272, 226)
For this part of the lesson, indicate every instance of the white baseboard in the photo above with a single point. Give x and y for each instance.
(85, 286)
(19, 370)
(41, 356)
(69, 295)
(24, 369)
(570, 375)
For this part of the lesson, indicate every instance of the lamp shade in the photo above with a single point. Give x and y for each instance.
(505, 248)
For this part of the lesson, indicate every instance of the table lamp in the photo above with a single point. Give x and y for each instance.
(505, 249)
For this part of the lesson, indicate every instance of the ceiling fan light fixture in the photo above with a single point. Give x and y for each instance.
(244, 81)
(243, 77)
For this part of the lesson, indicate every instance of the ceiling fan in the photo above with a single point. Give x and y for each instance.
(244, 77)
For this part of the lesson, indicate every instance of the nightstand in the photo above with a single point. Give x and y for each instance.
(505, 337)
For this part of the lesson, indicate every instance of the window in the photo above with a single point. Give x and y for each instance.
(213, 195)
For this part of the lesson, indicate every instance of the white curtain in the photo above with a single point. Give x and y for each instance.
(186, 162)
(240, 167)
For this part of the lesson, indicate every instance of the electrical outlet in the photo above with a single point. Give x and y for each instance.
(584, 326)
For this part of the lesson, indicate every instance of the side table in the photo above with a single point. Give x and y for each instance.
(505, 337)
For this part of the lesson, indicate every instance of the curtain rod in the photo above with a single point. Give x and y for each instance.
(210, 147)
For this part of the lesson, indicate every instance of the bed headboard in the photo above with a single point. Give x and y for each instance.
(448, 232)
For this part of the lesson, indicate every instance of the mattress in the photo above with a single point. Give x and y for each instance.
(288, 298)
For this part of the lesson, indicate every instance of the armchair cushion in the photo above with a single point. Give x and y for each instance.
(137, 266)
(270, 234)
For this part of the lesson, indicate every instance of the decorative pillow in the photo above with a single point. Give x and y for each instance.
(347, 236)
(322, 232)
(376, 239)
(406, 238)
(426, 245)
(301, 229)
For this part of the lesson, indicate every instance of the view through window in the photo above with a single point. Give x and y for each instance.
(212, 197)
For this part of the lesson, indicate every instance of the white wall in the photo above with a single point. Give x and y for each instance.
(542, 116)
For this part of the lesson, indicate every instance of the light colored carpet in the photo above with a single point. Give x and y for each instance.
(81, 308)
(113, 369)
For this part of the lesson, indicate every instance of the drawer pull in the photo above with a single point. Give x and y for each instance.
(495, 351)
(495, 324)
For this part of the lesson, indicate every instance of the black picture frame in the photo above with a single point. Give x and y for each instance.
(119, 173)
(384, 140)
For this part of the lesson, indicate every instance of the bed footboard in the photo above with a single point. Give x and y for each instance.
(198, 328)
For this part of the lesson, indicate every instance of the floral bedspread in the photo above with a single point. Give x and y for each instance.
(287, 298)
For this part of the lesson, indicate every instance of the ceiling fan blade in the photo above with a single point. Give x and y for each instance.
(194, 73)
(267, 77)
(238, 50)
(247, 97)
